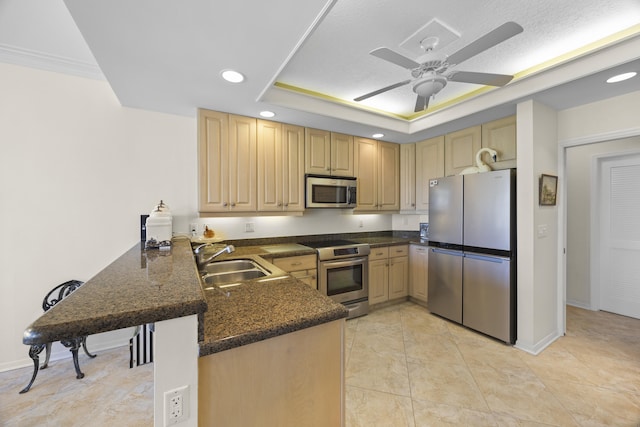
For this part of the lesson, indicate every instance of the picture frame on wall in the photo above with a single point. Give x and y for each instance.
(548, 189)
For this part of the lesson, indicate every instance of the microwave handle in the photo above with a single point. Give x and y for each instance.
(351, 195)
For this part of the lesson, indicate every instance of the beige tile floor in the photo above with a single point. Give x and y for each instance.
(405, 367)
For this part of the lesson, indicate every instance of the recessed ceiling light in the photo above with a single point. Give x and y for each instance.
(232, 76)
(267, 113)
(621, 77)
(378, 135)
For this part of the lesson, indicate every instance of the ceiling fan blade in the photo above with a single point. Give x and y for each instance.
(422, 102)
(379, 91)
(480, 78)
(492, 38)
(394, 57)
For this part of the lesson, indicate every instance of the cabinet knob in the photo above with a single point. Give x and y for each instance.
(279, 204)
(286, 205)
(225, 204)
(233, 204)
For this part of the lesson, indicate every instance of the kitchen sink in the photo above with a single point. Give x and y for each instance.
(232, 272)
(232, 277)
(231, 266)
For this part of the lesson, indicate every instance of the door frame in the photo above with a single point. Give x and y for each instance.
(563, 145)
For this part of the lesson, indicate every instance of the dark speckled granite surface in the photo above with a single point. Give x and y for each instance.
(255, 311)
(139, 287)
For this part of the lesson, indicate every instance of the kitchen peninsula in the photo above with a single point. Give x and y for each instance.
(281, 330)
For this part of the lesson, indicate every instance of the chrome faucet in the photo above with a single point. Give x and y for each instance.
(202, 262)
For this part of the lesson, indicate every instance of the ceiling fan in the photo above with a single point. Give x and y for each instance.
(430, 76)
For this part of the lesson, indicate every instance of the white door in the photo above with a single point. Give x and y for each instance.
(620, 235)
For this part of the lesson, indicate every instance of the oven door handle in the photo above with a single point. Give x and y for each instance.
(344, 262)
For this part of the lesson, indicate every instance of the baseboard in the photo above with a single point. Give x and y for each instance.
(536, 348)
(580, 304)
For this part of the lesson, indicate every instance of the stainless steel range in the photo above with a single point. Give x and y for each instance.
(343, 273)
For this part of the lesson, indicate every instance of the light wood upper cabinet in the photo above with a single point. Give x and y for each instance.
(341, 154)
(407, 177)
(328, 153)
(501, 136)
(227, 153)
(280, 167)
(429, 165)
(460, 149)
(377, 168)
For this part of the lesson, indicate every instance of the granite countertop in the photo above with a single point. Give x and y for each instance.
(137, 288)
(256, 311)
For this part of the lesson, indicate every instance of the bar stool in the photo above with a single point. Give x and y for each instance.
(54, 296)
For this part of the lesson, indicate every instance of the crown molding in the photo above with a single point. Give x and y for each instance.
(45, 61)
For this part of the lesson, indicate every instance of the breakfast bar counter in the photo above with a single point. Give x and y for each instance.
(141, 286)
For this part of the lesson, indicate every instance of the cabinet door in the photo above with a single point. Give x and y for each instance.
(398, 277)
(366, 171)
(460, 149)
(270, 165)
(213, 165)
(407, 177)
(341, 154)
(419, 272)
(388, 176)
(317, 147)
(378, 281)
(501, 136)
(293, 174)
(429, 165)
(242, 163)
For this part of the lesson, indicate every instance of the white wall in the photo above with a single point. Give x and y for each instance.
(537, 259)
(76, 172)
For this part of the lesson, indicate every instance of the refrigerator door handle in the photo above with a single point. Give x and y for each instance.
(487, 258)
(447, 252)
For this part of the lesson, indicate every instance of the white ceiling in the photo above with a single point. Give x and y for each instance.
(166, 56)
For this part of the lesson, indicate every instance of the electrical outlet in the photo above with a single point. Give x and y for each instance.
(176, 405)
(193, 228)
(248, 227)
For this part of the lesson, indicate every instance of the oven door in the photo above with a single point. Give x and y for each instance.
(344, 280)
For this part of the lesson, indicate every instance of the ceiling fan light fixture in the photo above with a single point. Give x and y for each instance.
(621, 77)
(232, 76)
(430, 86)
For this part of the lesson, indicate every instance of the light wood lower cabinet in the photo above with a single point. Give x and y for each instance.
(303, 268)
(294, 379)
(419, 272)
(388, 273)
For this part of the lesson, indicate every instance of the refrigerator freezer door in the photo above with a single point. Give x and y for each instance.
(489, 210)
(445, 210)
(445, 283)
(488, 296)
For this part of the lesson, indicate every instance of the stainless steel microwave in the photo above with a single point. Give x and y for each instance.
(330, 192)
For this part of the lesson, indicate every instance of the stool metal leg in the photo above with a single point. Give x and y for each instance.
(34, 351)
(84, 347)
(46, 359)
(73, 345)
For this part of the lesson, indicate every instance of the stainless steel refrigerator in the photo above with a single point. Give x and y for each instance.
(472, 261)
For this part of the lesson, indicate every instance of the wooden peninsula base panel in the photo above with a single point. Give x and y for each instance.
(296, 379)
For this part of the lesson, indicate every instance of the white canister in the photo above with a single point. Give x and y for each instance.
(160, 223)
